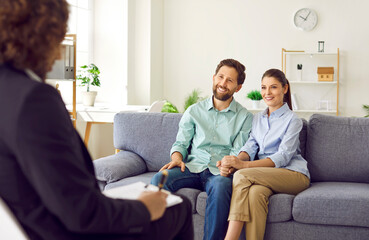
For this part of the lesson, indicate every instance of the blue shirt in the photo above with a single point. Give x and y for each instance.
(206, 135)
(277, 137)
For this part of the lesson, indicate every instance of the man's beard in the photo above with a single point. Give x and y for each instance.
(222, 97)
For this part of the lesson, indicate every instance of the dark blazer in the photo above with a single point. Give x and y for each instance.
(46, 174)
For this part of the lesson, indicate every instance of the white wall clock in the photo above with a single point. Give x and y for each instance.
(305, 19)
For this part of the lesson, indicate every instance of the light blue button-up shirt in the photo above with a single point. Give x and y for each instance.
(277, 137)
(206, 135)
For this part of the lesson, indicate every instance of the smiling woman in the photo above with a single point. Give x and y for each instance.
(270, 161)
(275, 89)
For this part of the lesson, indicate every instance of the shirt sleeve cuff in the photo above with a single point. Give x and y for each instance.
(180, 150)
(249, 152)
(277, 159)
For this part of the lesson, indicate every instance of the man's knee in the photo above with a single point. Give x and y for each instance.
(156, 178)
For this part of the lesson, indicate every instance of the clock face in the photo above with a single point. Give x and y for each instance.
(305, 19)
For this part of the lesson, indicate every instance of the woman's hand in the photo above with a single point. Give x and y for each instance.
(155, 203)
(233, 162)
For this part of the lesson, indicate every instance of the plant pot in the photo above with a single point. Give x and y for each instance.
(255, 104)
(88, 98)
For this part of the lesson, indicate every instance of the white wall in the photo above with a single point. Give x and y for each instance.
(110, 55)
(145, 51)
(110, 50)
(198, 34)
(175, 45)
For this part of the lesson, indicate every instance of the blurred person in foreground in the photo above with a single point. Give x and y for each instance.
(47, 177)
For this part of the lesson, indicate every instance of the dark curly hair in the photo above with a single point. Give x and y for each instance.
(236, 65)
(31, 32)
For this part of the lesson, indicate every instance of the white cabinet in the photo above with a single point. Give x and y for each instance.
(312, 96)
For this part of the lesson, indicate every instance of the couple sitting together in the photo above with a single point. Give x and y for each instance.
(238, 159)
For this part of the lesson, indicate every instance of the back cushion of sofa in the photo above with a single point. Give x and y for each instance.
(150, 135)
(302, 138)
(337, 148)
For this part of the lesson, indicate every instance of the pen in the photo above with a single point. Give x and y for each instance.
(163, 179)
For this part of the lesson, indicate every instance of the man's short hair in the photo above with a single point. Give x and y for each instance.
(240, 68)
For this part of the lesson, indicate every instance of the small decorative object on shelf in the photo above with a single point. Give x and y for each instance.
(255, 97)
(325, 74)
(320, 46)
(299, 72)
(324, 105)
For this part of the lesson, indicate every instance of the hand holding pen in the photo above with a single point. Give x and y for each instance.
(163, 179)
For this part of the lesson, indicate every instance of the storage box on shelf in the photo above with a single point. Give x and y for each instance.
(311, 94)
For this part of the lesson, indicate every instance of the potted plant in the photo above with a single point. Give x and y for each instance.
(193, 98)
(89, 75)
(169, 107)
(255, 97)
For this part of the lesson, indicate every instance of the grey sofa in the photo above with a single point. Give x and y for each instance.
(336, 206)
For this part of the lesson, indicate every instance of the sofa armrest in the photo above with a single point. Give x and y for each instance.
(121, 165)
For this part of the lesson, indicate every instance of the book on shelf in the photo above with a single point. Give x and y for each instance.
(132, 191)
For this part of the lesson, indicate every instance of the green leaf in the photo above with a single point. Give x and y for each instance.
(89, 75)
(169, 107)
(192, 99)
(254, 95)
(366, 108)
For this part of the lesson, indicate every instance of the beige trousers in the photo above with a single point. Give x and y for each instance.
(252, 188)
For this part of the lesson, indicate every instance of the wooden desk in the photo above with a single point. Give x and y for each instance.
(103, 115)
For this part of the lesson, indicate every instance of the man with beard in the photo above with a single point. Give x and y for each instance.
(208, 131)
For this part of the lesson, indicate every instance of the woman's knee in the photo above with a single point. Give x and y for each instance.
(259, 194)
(241, 177)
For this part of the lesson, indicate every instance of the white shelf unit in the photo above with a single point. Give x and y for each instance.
(71, 40)
(311, 93)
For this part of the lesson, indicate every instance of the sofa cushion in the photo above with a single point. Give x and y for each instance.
(121, 165)
(201, 203)
(150, 135)
(337, 149)
(280, 207)
(191, 194)
(302, 138)
(333, 203)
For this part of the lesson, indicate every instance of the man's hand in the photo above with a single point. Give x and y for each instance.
(155, 203)
(176, 162)
(225, 171)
